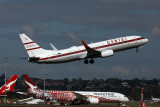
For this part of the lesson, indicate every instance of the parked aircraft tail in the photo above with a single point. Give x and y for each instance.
(151, 96)
(9, 85)
(32, 88)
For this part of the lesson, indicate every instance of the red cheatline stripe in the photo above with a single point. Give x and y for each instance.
(33, 48)
(28, 43)
(104, 46)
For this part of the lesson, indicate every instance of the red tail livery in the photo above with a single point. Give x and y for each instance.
(9, 85)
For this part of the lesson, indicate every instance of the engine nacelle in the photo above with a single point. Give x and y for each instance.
(107, 53)
(94, 100)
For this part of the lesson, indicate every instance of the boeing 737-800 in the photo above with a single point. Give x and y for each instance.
(83, 97)
(94, 50)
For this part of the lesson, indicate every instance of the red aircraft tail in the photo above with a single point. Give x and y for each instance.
(30, 84)
(9, 85)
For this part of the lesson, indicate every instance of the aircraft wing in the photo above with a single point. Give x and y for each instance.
(91, 53)
(79, 99)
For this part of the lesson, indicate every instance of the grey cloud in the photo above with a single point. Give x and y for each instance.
(121, 70)
(156, 32)
(73, 37)
(107, 13)
(32, 29)
(28, 30)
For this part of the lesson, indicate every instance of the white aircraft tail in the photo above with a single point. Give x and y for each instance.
(33, 49)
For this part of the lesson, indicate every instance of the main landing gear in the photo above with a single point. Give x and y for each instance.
(91, 61)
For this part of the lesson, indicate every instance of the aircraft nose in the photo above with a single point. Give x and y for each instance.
(126, 99)
(146, 40)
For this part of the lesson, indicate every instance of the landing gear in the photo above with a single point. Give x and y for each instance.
(137, 50)
(91, 61)
(86, 61)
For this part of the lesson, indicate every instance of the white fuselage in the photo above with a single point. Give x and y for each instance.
(156, 100)
(94, 50)
(105, 96)
(70, 96)
(79, 52)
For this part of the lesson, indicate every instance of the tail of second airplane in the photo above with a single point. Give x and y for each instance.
(9, 85)
(32, 88)
(151, 96)
(33, 49)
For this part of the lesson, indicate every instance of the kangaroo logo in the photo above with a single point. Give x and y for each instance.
(8, 86)
(33, 89)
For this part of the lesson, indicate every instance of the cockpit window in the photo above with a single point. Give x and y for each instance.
(142, 38)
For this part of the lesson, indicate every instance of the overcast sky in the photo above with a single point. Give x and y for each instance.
(66, 22)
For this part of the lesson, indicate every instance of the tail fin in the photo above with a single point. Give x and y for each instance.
(33, 49)
(9, 85)
(151, 96)
(32, 88)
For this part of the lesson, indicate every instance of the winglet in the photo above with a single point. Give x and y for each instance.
(54, 48)
(85, 45)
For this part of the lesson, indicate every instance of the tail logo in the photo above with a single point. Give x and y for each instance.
(8, 86)
(33, 89)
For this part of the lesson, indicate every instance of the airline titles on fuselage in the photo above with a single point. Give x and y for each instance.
(104, 94)
(118, 40)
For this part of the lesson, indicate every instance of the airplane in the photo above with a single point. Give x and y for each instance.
(30, 100)
(155, 100)
(101, 49)
(9, 85)
(79, 97)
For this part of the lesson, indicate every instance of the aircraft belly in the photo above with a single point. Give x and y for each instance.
(125, 46)
(64, 59)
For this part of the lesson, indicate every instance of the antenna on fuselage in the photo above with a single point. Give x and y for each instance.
(53, 47)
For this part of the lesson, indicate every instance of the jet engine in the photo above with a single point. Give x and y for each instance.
(93, 100)
(107, 53)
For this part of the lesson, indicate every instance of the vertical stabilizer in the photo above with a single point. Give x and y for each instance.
(151, 96)
(33, 49)
(9, 85)
(30, 84)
